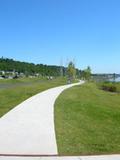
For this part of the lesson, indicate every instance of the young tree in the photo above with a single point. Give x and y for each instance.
(114, 77)
(71, 71)
(87, 73)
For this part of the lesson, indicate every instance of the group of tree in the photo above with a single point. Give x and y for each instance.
(72, 72)
(86, 73)
(44, 70)
(30, 68)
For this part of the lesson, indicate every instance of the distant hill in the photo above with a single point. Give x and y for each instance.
(7, 64)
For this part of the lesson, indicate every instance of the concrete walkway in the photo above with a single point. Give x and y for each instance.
(28, 129)
(102, 157)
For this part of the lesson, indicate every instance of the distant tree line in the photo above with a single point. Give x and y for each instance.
(27, 69)
(30, 68)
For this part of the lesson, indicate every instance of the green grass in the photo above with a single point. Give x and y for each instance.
(13, 92)
(87, 121)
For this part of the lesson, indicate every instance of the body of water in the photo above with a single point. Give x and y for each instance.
(116, 79)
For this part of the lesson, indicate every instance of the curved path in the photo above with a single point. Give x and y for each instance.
(28, 129)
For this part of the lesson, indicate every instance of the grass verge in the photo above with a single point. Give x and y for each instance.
(13, 92)
(87, 121)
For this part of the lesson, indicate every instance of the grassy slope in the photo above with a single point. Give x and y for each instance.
(16, 91)
(87, 121)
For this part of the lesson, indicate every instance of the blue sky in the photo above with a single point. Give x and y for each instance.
(51, 31)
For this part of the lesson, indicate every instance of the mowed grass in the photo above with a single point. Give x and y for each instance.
(13, 92)
(87, 121)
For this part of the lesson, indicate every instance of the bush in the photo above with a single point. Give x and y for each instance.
(109, 87)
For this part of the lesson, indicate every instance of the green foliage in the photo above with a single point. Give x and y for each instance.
(87, 121)
(29, 68)
(32, 69)
(109, 86)
(87, 73)
(71, 71)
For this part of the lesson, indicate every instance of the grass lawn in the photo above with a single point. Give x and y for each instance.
(13, 92)
(87, 121)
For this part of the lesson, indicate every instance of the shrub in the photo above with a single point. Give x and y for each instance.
(109, 87)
